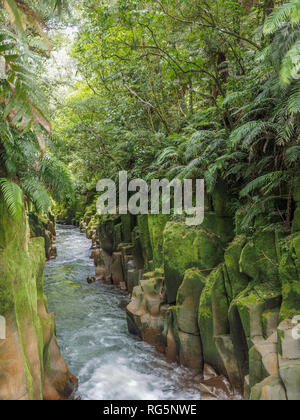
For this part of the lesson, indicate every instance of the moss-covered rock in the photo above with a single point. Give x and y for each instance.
(221, 200)
(289, 358)
(259, 259)
(289, 271)
(251, 305)
(146, 311)
(127, 224)
(187, 302)
(156, 225)
(202, 247)
(271, 389)
(206, 326)
(31, 364)
(235, 281)
(145, 238)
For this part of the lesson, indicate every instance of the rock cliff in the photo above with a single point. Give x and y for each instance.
(31, 365)
(210, 295)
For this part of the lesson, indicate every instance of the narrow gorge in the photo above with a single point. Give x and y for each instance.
(122, 123)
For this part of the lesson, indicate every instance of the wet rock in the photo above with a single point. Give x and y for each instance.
(289, 359)
(271, 389)
(117, 269)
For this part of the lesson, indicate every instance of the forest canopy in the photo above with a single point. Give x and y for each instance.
(164, 88)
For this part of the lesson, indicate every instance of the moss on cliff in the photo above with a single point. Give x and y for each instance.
(156, 224)
(201, 247)
(23, 304)
(289, 271)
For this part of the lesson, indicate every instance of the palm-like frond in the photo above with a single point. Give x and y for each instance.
(289, 10)
(13, 197)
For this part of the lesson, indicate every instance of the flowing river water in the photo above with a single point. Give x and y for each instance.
(92, 332)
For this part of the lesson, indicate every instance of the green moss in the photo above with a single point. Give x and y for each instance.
(187, 302)
(21, 294)
(221, 200)
(145, 238)
(235, 280)
(206, 323)
(289, 272)
(156, 224)
(251, 304)
(201, 247)
(259, 258)
(127, 226)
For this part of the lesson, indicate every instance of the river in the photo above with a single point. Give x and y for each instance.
(92, 332)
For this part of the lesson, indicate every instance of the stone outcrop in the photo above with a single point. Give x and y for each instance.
(44, 227)
(211, 294)
(31, 365)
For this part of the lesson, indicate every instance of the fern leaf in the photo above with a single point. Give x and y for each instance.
(13, 197)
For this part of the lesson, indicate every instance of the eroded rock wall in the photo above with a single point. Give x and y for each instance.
(210, 295)
(31, 365)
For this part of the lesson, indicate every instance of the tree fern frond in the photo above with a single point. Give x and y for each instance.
(290, 68)
(289, 10)
(13, 197)
(249, 131)
(37, 193)
(266, 182)
(292, 154)
(294, 100)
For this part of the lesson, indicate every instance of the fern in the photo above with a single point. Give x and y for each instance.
(265, 182)
(289, 10)
(292, 154)
(37, 193)
(291, 64)
(13, 197)
(248, 132)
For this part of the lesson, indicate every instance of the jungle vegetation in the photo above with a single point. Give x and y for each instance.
(164, 88)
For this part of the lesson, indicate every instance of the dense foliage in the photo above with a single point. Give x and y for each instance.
(171, 88)
(166, 88)
(26, 166)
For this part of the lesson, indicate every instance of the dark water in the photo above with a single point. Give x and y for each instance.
(92, 332)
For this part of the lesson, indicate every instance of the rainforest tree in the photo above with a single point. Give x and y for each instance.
(26, 165)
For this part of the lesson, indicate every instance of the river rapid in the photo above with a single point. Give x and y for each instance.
(92, 333)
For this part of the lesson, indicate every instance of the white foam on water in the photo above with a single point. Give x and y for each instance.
(92, 332)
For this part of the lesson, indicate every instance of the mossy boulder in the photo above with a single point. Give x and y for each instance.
(201, 247)
(289, 272)
(221, 200)
(259, 259)
(106, 233)
(156, 225)
(146, 311)
(251, 305)
(187, 302)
